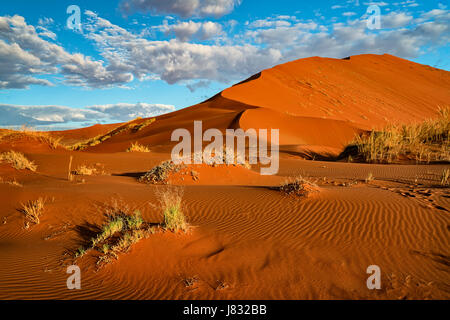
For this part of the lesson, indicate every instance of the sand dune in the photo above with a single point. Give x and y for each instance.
(319, 102)
(248, 240)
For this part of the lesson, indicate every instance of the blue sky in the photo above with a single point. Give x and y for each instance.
(146, 57)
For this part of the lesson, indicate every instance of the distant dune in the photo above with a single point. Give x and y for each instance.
(317, 103)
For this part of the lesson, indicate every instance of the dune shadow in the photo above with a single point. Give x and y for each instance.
(87, 231)
(135, 175)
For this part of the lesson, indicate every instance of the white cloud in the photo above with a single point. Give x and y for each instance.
(24, 54)
(395, 20)
(182, 8)
(47, 116)
(128, 111)
(188, 30)
(45, 21)
(175, 60)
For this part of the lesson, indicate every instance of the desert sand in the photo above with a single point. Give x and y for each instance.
(247, 240)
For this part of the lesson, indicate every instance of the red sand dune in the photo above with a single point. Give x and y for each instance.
(248, 240)
(317, 103)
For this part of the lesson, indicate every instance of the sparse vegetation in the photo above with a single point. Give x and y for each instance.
(171, 203)
(30, 133)
(139, 126)
(424, 142)
(11, 182)
(80, 252)
(17, 160)
(132, 125)
(445, 177)
(137, 147)
(298, 186)
(160, 173)
(123, 227)
(370, 177)
(33, 210)
(84, 170)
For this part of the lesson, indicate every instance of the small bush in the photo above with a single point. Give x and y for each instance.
(171, 204)
(298, 187)
(85, 170)
(33, 210)
(136, 147)
(160, 173)
(17, 160)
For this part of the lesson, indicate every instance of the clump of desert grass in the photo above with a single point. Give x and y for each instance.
(33, 210)
(298, 186)
(424, 142)
(137, 147)
(369, 177)
(141, 125)
(132, 126)
(170, 199)
(11, 182)
(85, 170)
(88, 170)
(17, 160)
(27, 132)
(445, 177)
(160, 173)
(123, 228)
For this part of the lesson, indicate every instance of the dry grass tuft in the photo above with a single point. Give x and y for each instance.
(370, 177)
(11, 182)
(33, 210)
(133, 126)
(424, 142)
(445, 177)
(160, 173)
(17, 160)
(137, 147)
(170, 199)
(84, 170)
(123, 227)
(27, 132)
(298, 187)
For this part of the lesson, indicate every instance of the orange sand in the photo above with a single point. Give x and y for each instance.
(248, 241)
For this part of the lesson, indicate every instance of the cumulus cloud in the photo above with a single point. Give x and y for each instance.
(48, 116)
(174, 61)
(128, 111)
(24, 54)
(198, 85)
(396, 20)
(188, 30)
(182, 8)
